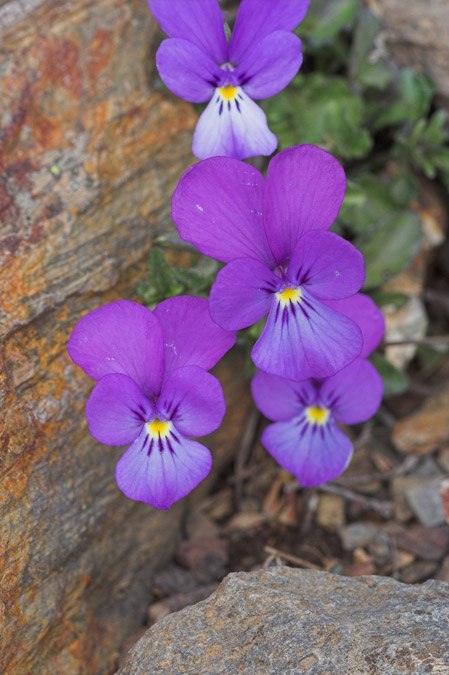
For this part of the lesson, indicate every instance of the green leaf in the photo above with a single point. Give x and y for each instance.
(417, 91)
(320, 110)
(395, 381)
(373, 200)
(403, 188)
(326, 19)
(390, 247)
(368, 66)
(409, 103)
(166, 281)
(423, 146)
(369, 199)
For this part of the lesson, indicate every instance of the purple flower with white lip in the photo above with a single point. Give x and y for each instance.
(153, 391)
(198, 64)
(281, 260)
(305, 438)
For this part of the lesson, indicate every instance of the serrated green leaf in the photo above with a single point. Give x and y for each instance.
(321, 110)
(166, 281)
(423, 147)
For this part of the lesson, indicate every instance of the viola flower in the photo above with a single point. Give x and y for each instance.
(305, 438)
(198, 64)
(153, 391)
(281, 260)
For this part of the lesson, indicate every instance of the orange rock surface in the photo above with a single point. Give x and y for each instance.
(90, 151)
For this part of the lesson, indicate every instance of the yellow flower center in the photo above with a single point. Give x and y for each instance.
(158, 429)
(229, 92)
(317, 415)
(289, 295)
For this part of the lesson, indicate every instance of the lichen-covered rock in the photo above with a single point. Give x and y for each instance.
(90, 152)
(285, 620)
(417, 34)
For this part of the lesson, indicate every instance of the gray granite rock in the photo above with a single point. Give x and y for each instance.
(417, 33)
(284, 620)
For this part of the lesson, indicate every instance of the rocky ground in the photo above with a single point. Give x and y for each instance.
(387, 515)
(295, 621)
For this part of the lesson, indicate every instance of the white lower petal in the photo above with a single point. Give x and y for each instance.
(233, 126)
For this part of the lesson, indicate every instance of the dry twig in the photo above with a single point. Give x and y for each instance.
(295, 560)
(385, 509)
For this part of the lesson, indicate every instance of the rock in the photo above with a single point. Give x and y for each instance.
(427, 543)
(443, 573)
(199, 525)
(418, 37)
(417, 485)
(219, 505)
(174, 603)
(367, 535)
(90, 152)
(410, 322)
(418, 572)
(207, 558)
(358, 534)
(285, 620)
(404, 559)
(443, 459)
(246, 520)
(427, 429)
(400, 485)
(359, 569)
(172, 580)
(425, 501)
(444, 498)
(331, 512)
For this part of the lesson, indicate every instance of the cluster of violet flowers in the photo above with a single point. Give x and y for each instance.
(153, 390)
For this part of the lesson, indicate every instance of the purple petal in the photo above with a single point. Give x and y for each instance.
(313, 454)
(191, 337)
(306, 340)
(217, 207)
(280, 399)
(193, 400)
(366, 314)
(160, 477)
(117, 410)
(270, 64)
(235, 128)
(198, 22)
(258, 18)
(354, 394)
(122, 337)
(187, 71)
(305, 189)
(242, 293)
(327, 265)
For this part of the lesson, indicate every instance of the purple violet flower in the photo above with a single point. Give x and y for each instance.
(281, 260)
(198, 64)
(153, 391)
(305, 438)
